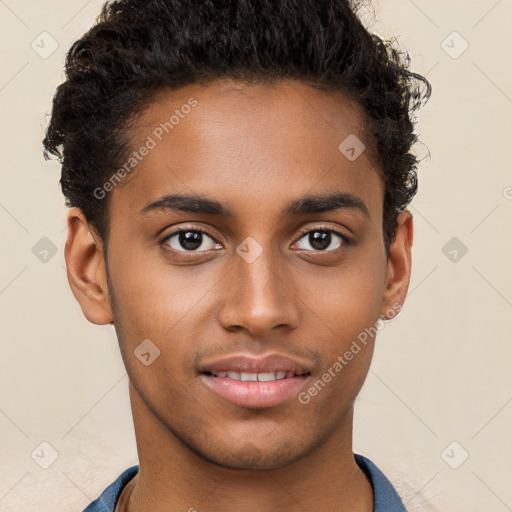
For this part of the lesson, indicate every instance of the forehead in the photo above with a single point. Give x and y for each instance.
(257, 144)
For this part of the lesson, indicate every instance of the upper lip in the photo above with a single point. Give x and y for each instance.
(252, 364)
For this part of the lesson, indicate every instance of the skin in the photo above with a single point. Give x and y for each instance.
(255, 149)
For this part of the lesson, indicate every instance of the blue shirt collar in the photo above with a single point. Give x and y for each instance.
(386, 497)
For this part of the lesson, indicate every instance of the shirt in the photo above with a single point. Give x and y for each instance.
(386, 498)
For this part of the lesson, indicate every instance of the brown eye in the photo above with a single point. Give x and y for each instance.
(324, 239)
(190, 240)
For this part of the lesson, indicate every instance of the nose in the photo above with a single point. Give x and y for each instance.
(258, 296)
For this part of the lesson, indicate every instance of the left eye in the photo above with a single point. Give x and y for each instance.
(322, 239)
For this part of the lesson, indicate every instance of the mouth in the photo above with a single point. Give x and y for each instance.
(257, 377)
(255, 394)
(255, 382)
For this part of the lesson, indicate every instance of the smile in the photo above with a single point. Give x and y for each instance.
(255, 390)
(255, 377)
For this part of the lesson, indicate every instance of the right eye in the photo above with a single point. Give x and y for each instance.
(189, 240)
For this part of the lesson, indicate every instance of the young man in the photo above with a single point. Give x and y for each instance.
(238, 175)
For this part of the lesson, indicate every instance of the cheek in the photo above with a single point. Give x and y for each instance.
(164, 305)
(154, 298)
(348, 304)
(348, 300)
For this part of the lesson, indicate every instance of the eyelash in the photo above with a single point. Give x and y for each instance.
(346, 239)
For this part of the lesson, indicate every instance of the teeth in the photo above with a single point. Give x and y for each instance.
(265, 376)
(253, 377)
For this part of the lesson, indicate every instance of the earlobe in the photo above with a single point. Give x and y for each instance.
(86, 269)
(398, 271)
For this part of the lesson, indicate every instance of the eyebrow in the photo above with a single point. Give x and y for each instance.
(305, 205)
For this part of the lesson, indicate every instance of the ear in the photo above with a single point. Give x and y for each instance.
(86, 269)
(398, 271)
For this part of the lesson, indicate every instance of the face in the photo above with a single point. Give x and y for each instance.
(283, 255)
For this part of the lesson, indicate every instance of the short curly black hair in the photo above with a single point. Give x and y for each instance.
(138, 48)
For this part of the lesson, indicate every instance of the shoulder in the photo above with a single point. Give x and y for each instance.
(106, 502)
(386, 497)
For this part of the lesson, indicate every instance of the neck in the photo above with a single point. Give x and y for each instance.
(174, 477)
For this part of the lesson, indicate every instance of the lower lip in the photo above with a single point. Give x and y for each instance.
(254, 394)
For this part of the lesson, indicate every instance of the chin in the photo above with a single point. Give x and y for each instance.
(250, 457)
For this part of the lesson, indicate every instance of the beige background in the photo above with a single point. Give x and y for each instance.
(441, 371)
